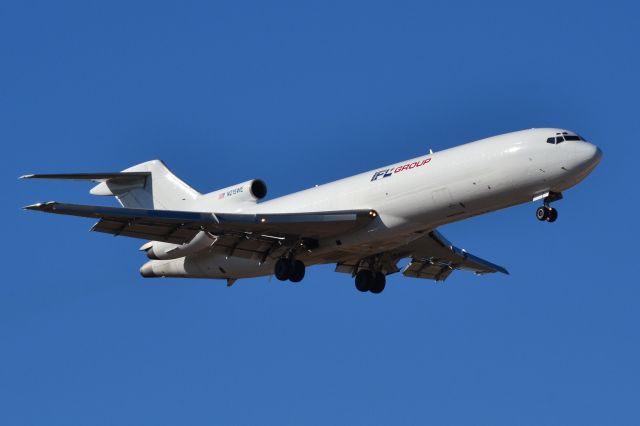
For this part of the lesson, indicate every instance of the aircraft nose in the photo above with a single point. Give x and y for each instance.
(598, 155)
(588, 154)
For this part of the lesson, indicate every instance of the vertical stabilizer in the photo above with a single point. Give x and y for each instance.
(161, 190)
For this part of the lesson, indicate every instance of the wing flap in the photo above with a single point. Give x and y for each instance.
(257, 248)
(428, 270)
(170, 233)
(434, 269)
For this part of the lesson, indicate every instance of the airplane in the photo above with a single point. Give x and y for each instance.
(364, 224)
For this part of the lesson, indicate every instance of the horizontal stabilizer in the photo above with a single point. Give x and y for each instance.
(96, 177)
(108, 183)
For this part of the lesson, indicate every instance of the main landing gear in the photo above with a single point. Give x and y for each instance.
(372, 281)
(289, 269)
(546, 212)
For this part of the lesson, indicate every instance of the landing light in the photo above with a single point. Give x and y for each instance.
(373, 213)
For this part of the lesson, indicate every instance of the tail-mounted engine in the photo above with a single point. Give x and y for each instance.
(252, 191)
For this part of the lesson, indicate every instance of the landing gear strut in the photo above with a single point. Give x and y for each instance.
(546, 212)
(367, 280)
(289, 269)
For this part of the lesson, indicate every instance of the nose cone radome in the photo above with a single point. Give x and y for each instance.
(588, 155)
(598, 155)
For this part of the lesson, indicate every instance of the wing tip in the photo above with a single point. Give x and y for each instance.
(39, 206)
(35, 206)
(29, 176)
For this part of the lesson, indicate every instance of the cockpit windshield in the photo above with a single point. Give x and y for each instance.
(564, 136)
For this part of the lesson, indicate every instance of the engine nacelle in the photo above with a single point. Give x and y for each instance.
(251, 190)
(157, 250)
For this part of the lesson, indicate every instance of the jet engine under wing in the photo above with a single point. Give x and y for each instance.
(180, 227)
(434, 257)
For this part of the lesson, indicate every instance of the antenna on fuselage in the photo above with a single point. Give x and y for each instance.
(430, 151)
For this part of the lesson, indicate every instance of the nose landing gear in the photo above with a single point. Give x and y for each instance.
(546, 212)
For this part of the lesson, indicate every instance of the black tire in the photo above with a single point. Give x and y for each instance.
(378, 283)
(552, 215)
(363, 280)
(297, 271)
(282, 270)
(542, 213)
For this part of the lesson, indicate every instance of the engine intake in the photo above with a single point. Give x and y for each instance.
(258, 189)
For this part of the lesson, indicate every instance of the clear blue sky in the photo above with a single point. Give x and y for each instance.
(299, 94)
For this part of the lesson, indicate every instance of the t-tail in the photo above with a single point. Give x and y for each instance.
(152, 186)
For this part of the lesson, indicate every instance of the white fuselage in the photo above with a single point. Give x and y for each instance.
(421, 194)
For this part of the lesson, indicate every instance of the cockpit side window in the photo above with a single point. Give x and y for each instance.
(559, 139)
(551, 140)
(572, 138)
